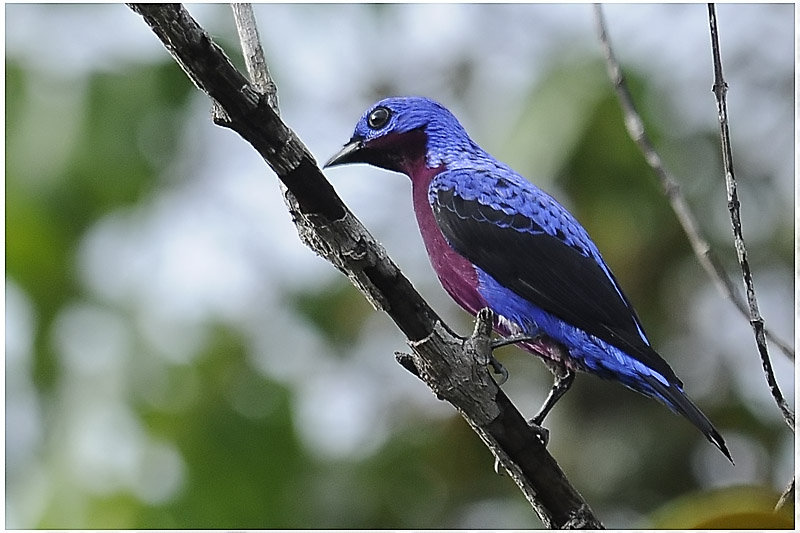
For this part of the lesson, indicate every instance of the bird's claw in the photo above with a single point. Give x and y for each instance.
(542, 433)
(498, 369)
(481, 343)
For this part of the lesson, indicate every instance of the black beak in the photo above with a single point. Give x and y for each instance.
(350, 153)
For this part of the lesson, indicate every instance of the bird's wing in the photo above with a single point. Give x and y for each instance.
(531, 245)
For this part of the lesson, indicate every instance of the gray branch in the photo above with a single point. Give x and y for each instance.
(786, 497)
(720, 91)
(702, 249)
(636, 130)
(450, 366)
(253, 53)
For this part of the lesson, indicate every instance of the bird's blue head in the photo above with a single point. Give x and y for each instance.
(400, 133)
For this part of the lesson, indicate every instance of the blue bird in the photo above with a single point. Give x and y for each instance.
(496, 240)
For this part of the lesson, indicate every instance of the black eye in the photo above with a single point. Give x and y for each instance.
(378, 118)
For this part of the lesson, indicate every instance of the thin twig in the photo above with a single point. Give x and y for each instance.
(700, 246)
(720, 91)
(787, 496)
(254, 54)
(256, 64)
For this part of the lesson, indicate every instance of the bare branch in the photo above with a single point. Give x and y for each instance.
(787, 496)
(636, 130)
(254, 54)
(443, 360)
(720, 91)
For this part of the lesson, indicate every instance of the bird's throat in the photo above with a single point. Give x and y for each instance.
(400, 152)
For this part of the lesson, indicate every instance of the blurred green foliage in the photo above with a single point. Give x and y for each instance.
(105, 166)
(244, 463)
(338, 312)
(729, 508)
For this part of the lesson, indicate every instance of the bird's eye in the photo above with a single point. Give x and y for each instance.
(378, 118)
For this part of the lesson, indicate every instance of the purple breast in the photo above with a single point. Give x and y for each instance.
(456, 274)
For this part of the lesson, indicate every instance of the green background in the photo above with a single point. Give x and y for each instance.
(175, 358)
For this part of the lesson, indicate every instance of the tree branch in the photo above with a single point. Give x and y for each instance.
(448, 364)
(253, 53)
(720, 91)
(786, 497)
(700, 246)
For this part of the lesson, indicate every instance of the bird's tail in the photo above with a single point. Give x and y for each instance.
(674, 397)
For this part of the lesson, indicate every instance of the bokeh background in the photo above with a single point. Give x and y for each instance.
(175, 357)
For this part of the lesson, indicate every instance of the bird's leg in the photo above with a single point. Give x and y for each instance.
(498, 368)
(563, 380)
(552, 354)
(505, 341)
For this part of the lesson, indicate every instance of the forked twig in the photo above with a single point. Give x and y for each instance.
(253, 53)
(700, 246)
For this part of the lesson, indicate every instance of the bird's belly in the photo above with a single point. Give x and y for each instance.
(458, 277)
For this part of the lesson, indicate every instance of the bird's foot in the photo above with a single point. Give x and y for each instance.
(542, 433)
(481, 344)
(514, 339)
(498, 369)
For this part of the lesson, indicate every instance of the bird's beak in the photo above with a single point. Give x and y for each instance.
(348, 154)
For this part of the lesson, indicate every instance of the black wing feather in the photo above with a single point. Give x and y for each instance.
(541, 268)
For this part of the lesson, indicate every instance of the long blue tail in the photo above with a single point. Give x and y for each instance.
(674, 398)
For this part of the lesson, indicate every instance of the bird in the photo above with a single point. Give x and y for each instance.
(495, 240)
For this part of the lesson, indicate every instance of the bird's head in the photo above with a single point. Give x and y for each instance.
(398, 134)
